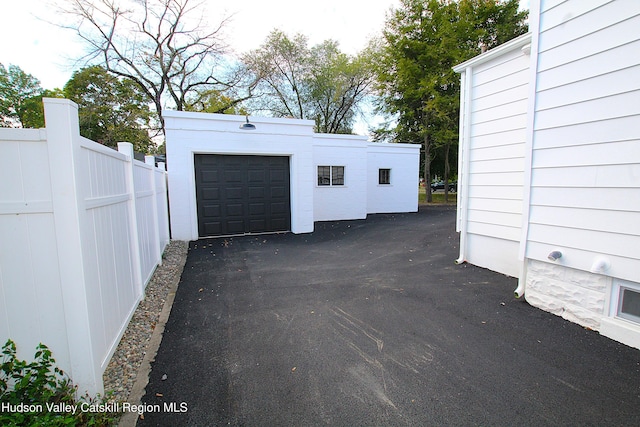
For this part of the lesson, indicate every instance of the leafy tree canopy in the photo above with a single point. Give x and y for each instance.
(33, 108)
(111, 109)
(319, 83)
(422, 41)
(16, 87)
(212, 101)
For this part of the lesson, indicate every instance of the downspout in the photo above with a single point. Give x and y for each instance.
(464, 143)
(532, 51)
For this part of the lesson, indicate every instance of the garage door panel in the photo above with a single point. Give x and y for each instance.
(212, 211)
(256, 176)
(235, 227)
(257, 192)
(242, 194)
(278, 192)
(232, 176)
(209, 176)
(234, 193)
(278, 208)
(213, 228)
(234, 210)
(258, 226)
(277, 176)
(211, 193)
(279, 223)
(257, 209)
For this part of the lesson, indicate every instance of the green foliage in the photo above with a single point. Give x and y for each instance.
(111, 109)
(213, 101)
(40, 383)
(33, 116)
(16, 87)
(320, 83)
(338, 84)
(422, 41)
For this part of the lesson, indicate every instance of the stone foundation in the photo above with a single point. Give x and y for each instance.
(576, 295)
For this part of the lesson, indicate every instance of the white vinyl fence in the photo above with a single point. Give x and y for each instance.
(82, 228)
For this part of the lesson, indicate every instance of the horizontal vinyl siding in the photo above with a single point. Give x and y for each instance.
(496, 168)
(585, 178)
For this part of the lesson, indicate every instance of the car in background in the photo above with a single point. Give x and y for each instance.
(439, 185)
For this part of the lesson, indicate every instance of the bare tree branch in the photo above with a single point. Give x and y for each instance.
(165, 46)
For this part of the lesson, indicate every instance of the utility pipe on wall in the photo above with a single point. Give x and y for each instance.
(463, 171)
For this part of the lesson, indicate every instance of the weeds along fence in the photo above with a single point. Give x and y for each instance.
(82, 228)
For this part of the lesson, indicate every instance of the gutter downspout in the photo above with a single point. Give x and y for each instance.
(528, 158)
(464, 143)
(532, 50)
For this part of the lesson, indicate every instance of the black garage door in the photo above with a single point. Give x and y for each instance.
(242, 194)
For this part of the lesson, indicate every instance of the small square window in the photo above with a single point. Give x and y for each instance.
(629, 306)
(384, 176)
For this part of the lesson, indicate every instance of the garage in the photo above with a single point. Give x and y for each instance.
(242, 194)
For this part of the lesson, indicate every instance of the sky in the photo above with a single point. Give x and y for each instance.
(48, 52)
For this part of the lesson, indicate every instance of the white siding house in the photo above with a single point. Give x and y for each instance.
(492, 151)
(326, 177)
(581, 177)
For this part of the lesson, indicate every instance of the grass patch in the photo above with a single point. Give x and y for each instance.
(437, 197)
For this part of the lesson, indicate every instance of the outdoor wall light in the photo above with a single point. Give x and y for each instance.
(247, 125)
(554, 256)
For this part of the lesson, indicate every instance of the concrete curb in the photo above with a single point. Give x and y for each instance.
(130, 419)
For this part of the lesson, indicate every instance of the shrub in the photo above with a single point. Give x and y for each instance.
(31, 394)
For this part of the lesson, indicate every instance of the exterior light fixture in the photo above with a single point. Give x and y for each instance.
(554, 256)
(247, 125)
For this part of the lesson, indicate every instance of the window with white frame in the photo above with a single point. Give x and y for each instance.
(384, 176)
(628, 300)
(330, 175)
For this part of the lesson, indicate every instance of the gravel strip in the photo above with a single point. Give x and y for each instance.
(121, 373)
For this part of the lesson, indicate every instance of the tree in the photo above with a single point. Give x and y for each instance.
(111, 109)
(212, 101)
(281, 66)
(164, 46)
(16, 87)
(319, 83)
(33, 108)
(422, 41)
(338, 85)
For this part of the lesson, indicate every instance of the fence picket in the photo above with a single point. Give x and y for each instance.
(104, 237)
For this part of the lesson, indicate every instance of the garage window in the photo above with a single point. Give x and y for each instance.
(384, 176)
(330, 175)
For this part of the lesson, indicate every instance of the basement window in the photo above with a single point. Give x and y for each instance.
(330, 175)
(384, 176)
(629, 303)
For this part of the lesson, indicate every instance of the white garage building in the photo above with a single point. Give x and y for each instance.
(225, 179)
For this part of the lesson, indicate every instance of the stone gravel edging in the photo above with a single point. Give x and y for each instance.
(128, 371)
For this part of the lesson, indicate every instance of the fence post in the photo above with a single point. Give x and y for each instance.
(70, 219)
(165, 198)
(157, 253)
(127, 149)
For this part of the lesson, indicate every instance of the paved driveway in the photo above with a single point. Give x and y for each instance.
(371, 323)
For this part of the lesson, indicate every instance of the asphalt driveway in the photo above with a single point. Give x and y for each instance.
(371, 323)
